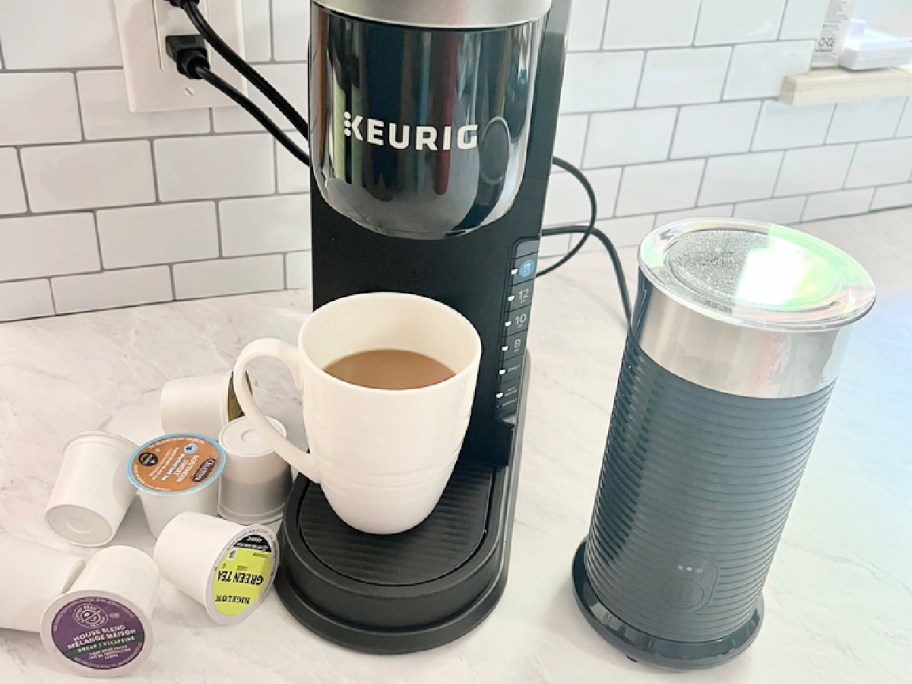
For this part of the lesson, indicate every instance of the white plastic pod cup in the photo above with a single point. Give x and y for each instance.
(225, 567)
(257, 481)
(175, 474)
(92, 492)
(101, 627)
(201, 405)
(31, 576)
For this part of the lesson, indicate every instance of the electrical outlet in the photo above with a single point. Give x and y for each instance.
(153, 84)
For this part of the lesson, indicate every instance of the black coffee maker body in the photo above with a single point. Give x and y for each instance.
(432, 134)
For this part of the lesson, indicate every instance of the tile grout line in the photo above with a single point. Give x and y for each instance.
(101, 267)
(753, 140)
(82, 131)
(53, 296)
(25, 189)
(271, 13)
(604, 35)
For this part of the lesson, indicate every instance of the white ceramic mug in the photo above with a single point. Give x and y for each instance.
(383, 457)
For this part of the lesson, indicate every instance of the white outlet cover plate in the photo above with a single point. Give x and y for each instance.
(153, 84)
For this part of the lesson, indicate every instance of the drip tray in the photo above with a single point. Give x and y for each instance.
(405, 592)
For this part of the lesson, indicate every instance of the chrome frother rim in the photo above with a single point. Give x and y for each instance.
(756, 275)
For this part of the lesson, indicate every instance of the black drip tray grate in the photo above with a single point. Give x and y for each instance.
(445, 541)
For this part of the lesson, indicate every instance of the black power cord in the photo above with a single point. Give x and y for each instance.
(191, 8)
(189, 53)
(593, 213)
(598, 234)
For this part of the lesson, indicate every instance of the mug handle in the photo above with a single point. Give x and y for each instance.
(302, 461)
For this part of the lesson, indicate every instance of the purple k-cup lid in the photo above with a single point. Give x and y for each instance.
(96, 633)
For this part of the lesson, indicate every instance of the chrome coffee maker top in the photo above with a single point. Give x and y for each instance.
(443, 14)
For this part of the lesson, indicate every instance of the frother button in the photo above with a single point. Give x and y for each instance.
(683, 593)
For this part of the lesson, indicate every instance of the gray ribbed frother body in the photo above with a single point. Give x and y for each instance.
(738, 334)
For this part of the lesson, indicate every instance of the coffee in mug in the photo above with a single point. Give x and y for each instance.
(389, 369)
(387, 381)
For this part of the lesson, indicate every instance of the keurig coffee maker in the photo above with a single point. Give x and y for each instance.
(431, 134)
(431, 142)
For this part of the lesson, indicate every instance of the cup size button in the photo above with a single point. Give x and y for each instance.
(518, 321)
(520, 295)
(514, 345)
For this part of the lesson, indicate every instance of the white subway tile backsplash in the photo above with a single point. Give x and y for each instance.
(803, 19)
(289, 79)
(815, 169)
(624, 232)
(881, 163)
(738, 21)
(106, 113)
(293, 175)
(215, 166)
(866, 120)
(587, 22)
(299, 270)
(38, 108)
(52, 34)
(784, 211)
(229, 276)
(36, 246)
(257, 30)
(646, 81)
(740, 177)
(159, 234)
(685, 76)
(567, 202)
(782, 126)
(291, 29)
(891, 196)
(841, 203)
(570, 142)
(601, 81)
(25, 299)
(757, 70)
(89, 175)
(633, 137)
(112, 289)
(554, 246)
(905, 124)
(658, 187)
(265, 224)
(706, 130)
(717, 211)
(650, 23)
(12, 194)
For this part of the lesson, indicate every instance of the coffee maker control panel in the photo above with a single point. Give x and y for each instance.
(517, 312)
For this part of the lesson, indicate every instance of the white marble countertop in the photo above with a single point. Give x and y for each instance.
(838, 599)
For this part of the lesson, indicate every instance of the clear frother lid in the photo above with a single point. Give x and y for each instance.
(756, 274)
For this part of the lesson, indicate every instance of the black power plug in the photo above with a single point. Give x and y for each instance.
(189, 53)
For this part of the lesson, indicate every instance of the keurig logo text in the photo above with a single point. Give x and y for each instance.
(404, 136)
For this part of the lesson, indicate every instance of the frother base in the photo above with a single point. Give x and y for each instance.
(642, 647)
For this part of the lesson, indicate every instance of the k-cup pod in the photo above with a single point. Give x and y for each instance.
(31, 576)
(92, 492)
(226, 567)
(101, 626)
(256, 481)
(175, 474)
(201, 406)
